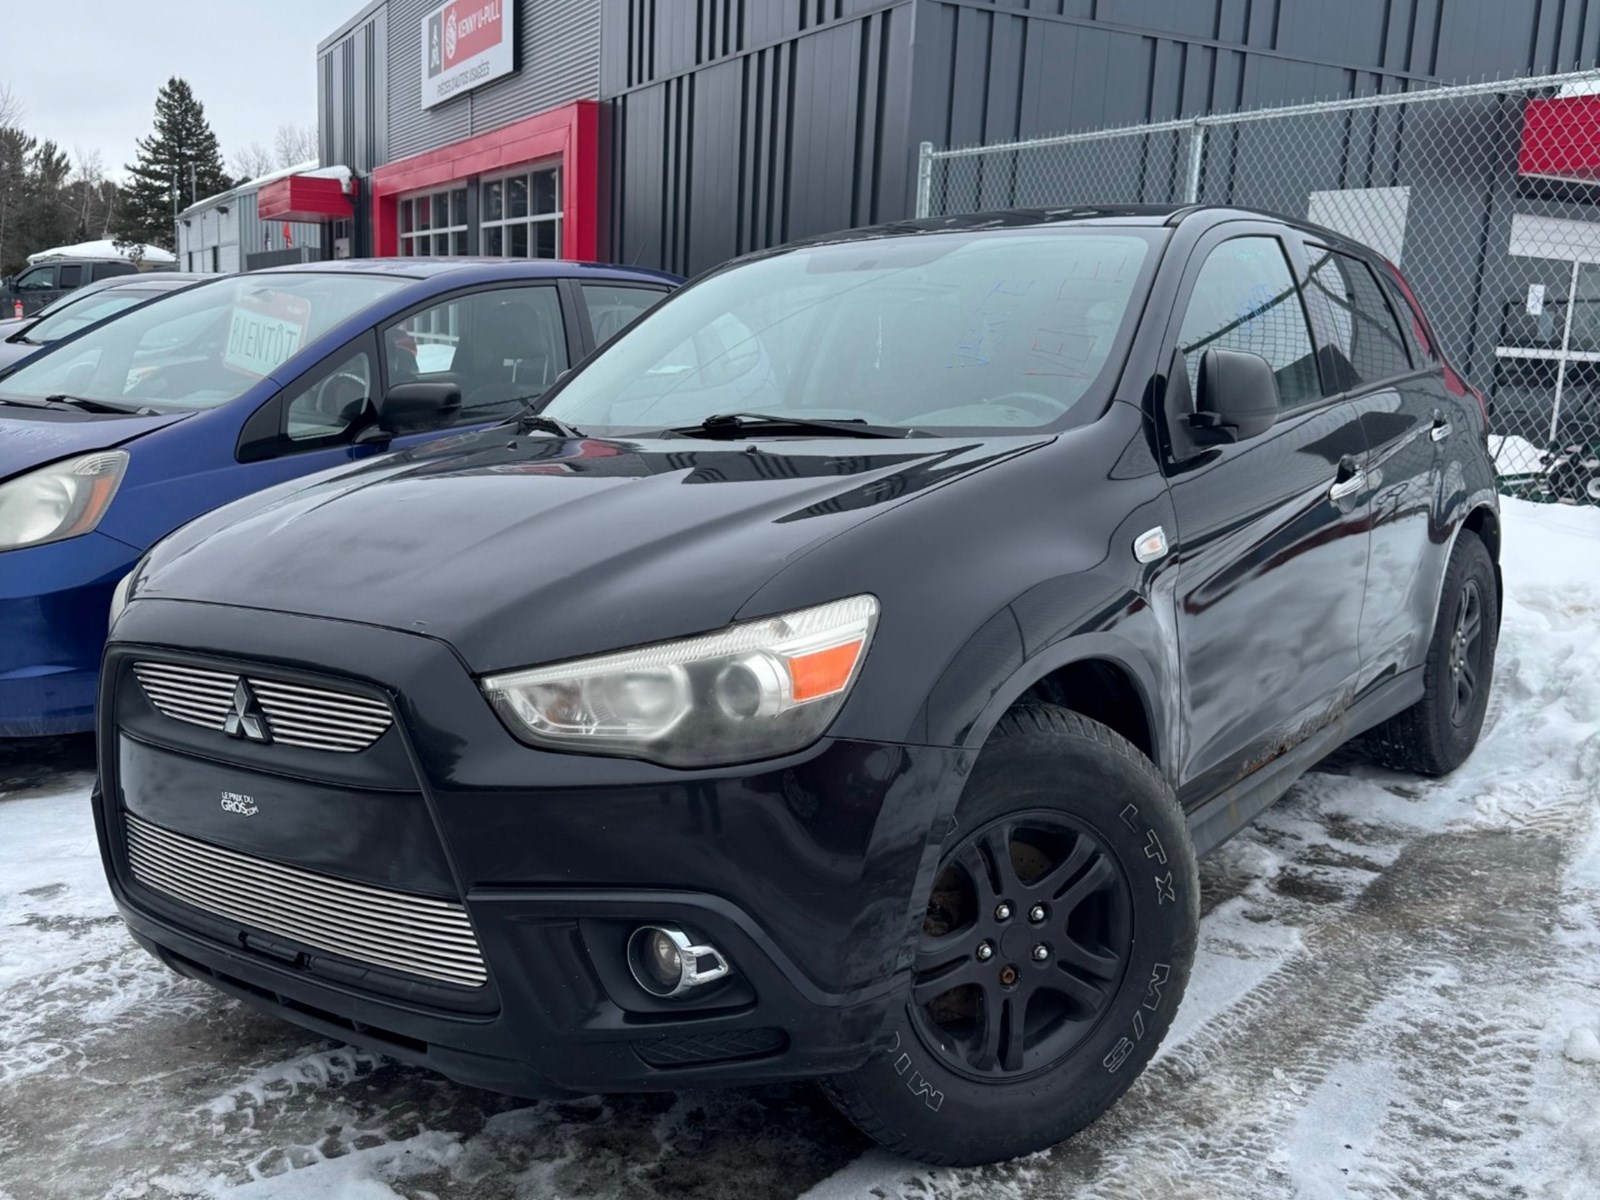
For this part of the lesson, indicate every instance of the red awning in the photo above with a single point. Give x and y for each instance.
(1561, 139)
(303, 198)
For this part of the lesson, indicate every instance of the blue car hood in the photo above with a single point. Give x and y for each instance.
(31, 437)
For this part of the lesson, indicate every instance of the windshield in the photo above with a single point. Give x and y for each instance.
(963, 331)
(73, 317)
(202, 346)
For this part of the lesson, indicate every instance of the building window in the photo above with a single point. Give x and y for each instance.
(434, 224)
(522, 215)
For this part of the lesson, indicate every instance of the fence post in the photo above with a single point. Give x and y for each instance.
(1196, 155)
(925, 179)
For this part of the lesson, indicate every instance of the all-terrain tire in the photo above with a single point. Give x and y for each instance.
(1437, 734)
(1043, 764)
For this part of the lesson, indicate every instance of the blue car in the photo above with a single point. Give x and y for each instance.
(116, 435)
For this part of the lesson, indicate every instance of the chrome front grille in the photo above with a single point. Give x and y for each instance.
(415, 935)
(295, 715)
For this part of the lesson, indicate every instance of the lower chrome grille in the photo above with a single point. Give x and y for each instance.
(263, 709)
(415, 935)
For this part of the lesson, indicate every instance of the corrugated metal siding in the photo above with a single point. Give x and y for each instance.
(352, 91)
(237, 234)
(734, 148)
(990, 70)
(256, 234)
(559, 53)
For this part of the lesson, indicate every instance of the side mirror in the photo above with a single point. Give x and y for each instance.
(1237, 397)
(417, 408)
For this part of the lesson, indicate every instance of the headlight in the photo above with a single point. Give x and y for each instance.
(755, 690)
(59, 501)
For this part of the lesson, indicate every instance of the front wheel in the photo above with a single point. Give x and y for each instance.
(1053, 953)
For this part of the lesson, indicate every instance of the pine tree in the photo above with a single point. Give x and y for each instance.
(181, 139)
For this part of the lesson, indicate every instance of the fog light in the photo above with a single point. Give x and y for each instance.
(666, 962)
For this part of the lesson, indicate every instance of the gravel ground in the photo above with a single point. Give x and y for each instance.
(1397, 995)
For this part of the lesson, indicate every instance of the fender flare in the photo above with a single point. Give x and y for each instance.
(1477, 502)
(1084, 647)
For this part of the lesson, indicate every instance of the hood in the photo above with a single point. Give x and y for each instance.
(31, 437)
(535, 549)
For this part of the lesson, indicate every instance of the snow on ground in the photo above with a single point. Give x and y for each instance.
(1397, 995)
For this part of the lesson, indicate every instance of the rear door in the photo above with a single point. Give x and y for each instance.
(1408, 419)
(1271, 544)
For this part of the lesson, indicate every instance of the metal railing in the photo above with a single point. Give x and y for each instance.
(1487, 195)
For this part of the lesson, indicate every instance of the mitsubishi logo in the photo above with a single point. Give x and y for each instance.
(245, 718)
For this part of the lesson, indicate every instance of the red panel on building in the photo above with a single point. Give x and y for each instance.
(568, 135)
(303, 198)
(1561, 139)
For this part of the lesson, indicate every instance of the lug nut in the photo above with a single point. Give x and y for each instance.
(1041, 952)
(1036, 913)
(985, 951)
(1002, 911)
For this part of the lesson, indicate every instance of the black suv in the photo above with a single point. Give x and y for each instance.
(836, 677)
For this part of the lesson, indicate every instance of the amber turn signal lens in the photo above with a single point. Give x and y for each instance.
(823, 672)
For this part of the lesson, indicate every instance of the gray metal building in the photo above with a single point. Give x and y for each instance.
(676, 133)
(226, 233)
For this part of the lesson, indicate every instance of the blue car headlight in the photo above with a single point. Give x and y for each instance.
(59, 501)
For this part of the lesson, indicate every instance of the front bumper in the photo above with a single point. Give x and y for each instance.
(801, 871)
(54, 604)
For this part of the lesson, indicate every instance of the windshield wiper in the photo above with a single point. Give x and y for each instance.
(732, 425)
(62, 400)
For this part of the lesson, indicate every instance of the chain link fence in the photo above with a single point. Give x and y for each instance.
(1486, 195)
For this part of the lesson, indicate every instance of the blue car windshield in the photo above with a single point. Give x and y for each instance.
(966, 332)
(200, 347)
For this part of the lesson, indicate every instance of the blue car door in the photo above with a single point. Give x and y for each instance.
(501, 345)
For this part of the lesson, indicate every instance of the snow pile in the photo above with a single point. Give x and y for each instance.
(105, 248)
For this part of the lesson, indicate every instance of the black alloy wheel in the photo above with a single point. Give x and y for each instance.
(1467, 646)
(1023, 947)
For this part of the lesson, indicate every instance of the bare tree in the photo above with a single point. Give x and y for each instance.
(10, 107)
(294, 144)
(253, 162)
(90, 193)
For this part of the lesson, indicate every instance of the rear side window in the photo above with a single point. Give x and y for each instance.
(1365, 341)
(70, 276)
(107, 270)
(1405, 303)
(1245, 299)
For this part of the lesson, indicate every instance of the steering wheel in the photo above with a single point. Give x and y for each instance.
(1036, 402)
(331, 404)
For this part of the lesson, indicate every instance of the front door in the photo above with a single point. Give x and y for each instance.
(1272, 546)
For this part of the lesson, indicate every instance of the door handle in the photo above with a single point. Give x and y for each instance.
(1343, 488)
(1441, 429)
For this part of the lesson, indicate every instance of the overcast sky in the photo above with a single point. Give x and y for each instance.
(87, 71)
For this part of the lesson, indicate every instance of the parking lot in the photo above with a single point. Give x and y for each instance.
(1397, 994)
